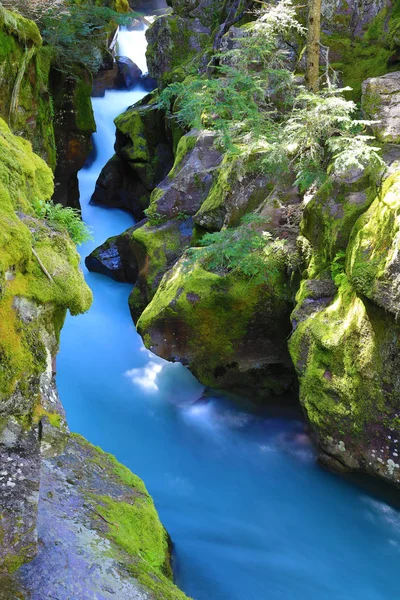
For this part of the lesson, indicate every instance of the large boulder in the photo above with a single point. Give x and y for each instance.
(129, 73)
(173, 43)
(346, 353)
(188, 183)
(238, 188)
(143, 158)
(230, 331)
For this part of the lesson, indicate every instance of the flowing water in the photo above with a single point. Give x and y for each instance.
(251, 515)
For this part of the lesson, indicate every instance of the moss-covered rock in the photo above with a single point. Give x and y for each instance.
(332, 212)
(360, 36)
(239, 187)
(99, 514)
(188, 183)
(39, 280)
(229, 331)
(25, 101)
(372, 259)
(143, 158)
(346, 355)
(175, 46)
(155, 248)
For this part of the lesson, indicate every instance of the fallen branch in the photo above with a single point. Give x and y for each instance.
(41, 265)
(103, 518)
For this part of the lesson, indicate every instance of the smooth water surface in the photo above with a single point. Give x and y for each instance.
(251, 515)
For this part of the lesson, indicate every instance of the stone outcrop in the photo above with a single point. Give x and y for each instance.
(345, 341)
(32, 307)
(90, 505)
(73, 125)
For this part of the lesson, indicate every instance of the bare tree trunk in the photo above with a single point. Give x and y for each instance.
(313, 44)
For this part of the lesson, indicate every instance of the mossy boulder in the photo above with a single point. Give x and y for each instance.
(99, 514)
(229, 331)
(346, 353)
(143, 158)
(25, 101)
(330, 215)
(155, 248)
(238, 188)
(188, 183)
(381, 103)
(175, 45)
(373, 263)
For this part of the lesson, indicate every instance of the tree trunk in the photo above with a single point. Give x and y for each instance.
(313, 47)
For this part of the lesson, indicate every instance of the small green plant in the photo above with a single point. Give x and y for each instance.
(64, 219)
(337, 266)
(240, 250)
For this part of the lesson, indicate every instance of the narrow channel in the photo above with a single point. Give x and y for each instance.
(251, 515)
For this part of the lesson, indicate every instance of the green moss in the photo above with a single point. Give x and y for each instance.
(156, 248)
(358, 59)
(134, 527)
(373, 246)
(220, 208)
(341, 356)
(185, 145)
(211, 312)
(23, 29)
(24, 69)
(83, 106)
(329, 218)
(25, 180)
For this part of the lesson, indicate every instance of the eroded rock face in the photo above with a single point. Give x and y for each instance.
(188, 183)
(381, 103)
(32, 309)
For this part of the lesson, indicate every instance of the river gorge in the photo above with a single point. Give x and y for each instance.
(251, 514)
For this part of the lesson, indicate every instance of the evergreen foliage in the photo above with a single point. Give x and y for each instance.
(75, 32)
(253, 100)
(246, 251)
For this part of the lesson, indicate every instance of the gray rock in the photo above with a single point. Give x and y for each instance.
(381, 102)
(189, 182)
